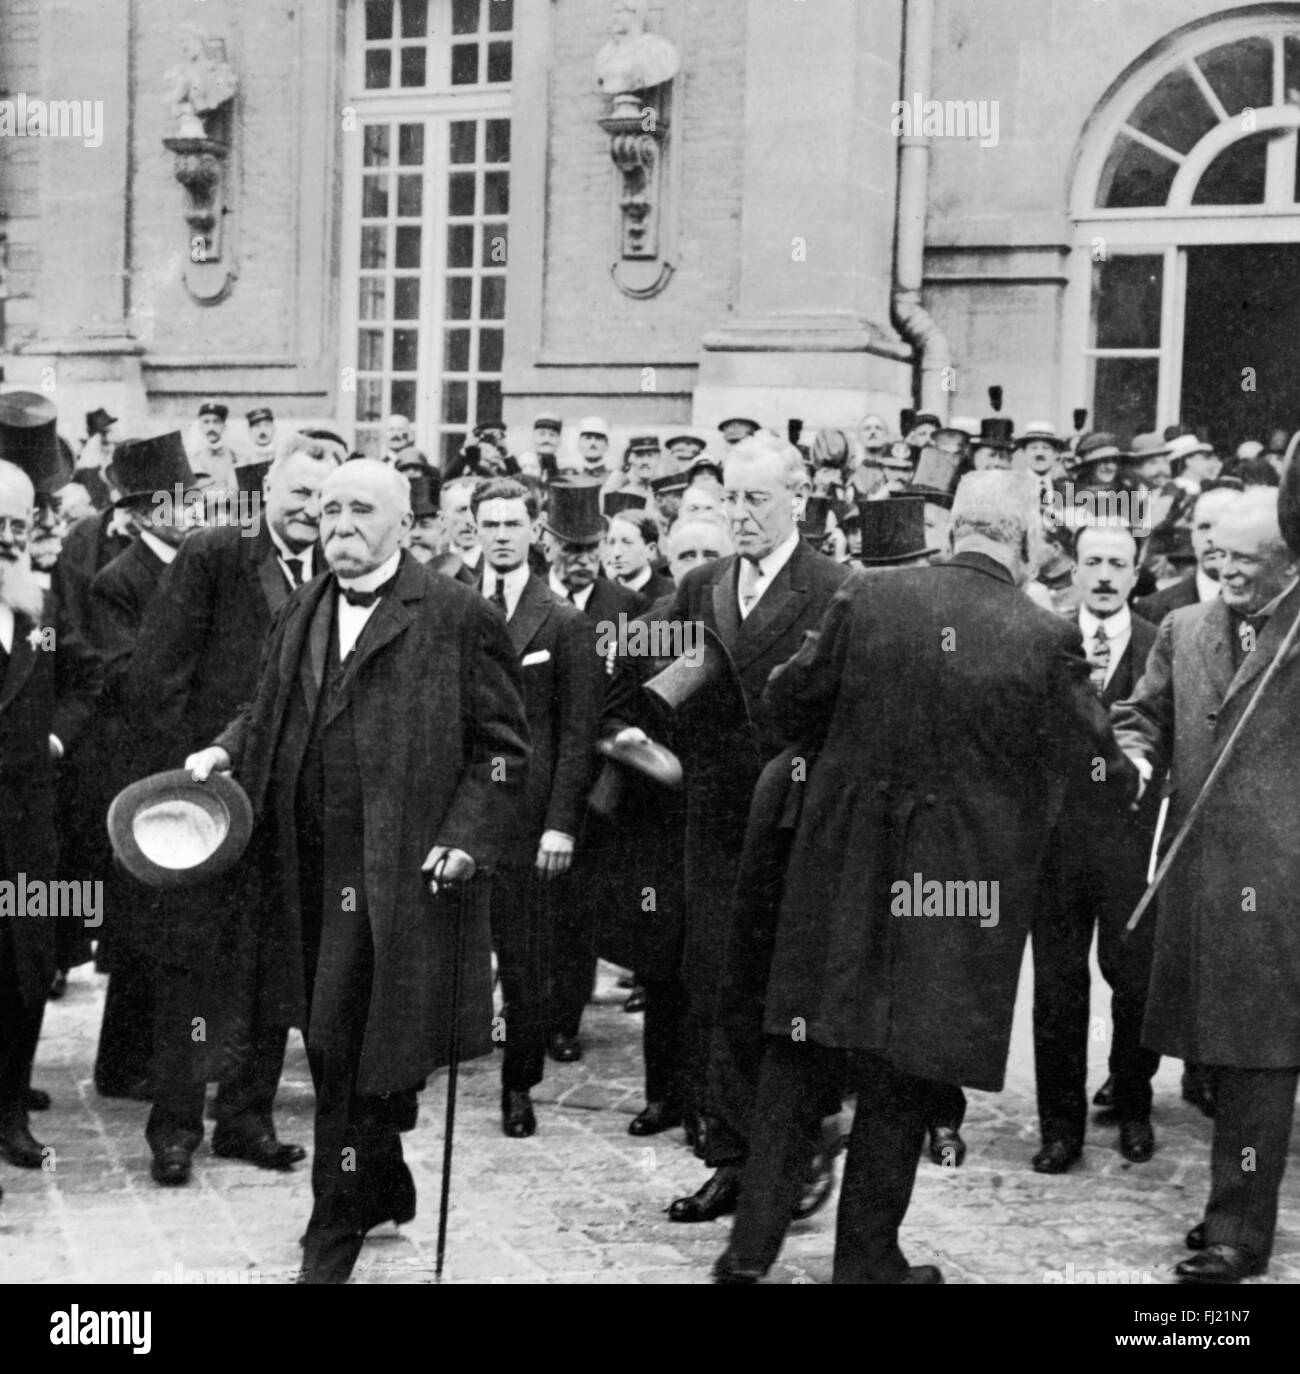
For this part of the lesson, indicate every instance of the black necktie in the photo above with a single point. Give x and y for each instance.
(498, 597)
(356, 598)
(297, 570)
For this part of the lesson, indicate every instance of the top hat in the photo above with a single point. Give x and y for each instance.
(141, 467)
(256, 416)
(712, 667)
(29, 440)
(573, 511)
(998, 431)
(593, 424)
(816, 512)
(698, 444)
(250, 476)
(425, 490)
(1145, 446)
(1039, 431)
(666, 486)
(170, 831)
(617, 501)
(548, 420)
(97, 421)
(214, 408)
(893, 531)
(937, 474)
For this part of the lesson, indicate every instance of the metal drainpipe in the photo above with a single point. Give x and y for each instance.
(911, 318)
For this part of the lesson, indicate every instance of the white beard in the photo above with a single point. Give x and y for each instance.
(19, 589)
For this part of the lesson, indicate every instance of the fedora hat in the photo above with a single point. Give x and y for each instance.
(1144, 446)
(573, 511)
(937, 474)
(618, 501)
(170, 831)
(893, 531)
(98, 420)
(250, 476)
(642, 756)
(28, 439)
(141, 467)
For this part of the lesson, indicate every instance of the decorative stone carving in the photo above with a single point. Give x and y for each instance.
(202, 85)
(634, 60)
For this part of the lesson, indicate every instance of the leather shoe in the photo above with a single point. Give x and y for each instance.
(726, 1270)
(1056, 1157)
(171, 1166)
(717, 1198)
(923, 1273)
(517, 1118)
(1137, 1141)
(330, 1254)
(398, 1205)
(655, 1117)
(564, 1049)
(18, 1146)
(1220, 1264)
(1195, 1239)
(636, 1000)
(265, 1151)
(947, 1148)
(1105, 1095)
(817, 1187)
(36, 1100)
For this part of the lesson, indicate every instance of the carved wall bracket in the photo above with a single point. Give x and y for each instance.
(201, 168)
(638, 126)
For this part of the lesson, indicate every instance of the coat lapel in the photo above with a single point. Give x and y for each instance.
(392, 617)
(530, 614)
(776, 610)
(726, 604)
(1215, 645)
(1266, 647)
(266, 568)
(317, 624)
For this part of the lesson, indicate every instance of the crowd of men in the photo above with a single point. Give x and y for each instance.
(809, 738)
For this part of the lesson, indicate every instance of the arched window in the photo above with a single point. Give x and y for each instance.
(1186, 204)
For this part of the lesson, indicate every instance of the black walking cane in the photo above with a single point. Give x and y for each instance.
(462, 892)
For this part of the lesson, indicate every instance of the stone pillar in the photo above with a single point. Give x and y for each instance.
(811, 335)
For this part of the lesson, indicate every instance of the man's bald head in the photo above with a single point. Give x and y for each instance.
(1256, 563)
(365, 512)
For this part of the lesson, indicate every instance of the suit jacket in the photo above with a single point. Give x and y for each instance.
(451, 565)
(610, 599)
(563, 681)
(1225, 983)
(1178, 594)
(433, 688)
(659, 585)
(87, 550)
(956, 712)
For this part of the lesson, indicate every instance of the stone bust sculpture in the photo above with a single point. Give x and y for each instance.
(634, 60)
(201, 84)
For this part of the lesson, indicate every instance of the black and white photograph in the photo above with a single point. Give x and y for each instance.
(650, 642)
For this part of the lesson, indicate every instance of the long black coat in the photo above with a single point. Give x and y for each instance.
(959, 711)
(438, 714)
(1172, 598)
(722, 753)
(1225, 983)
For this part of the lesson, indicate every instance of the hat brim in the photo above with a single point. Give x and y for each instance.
(898, 558)
(646, 757)
(169, 831)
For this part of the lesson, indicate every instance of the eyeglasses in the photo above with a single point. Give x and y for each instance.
(755, 500)
(18, 528)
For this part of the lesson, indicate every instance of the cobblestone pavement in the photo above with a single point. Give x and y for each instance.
(582, 1201)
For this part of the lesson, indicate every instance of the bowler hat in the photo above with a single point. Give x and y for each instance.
(893, 531)
(573, 510)
(937, 474)
(97, 421)
(250, 476)
(256, 417)
(141, 467)
(214, 408)
(425, 490)
(169, 831)
(29, 440)
(617, 501)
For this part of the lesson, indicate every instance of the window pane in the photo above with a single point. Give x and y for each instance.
(490, 350)
(370, 399)
(501, 15)
(460, 292)
(405, 349)
(379, 20)
(455, 402)
(456, 351)
(494, 250)
(406, 298)
(460, 193)
(1175, 113)
(1133, 176)
(378, 68)
(372, 298)
(374, 248)
(496, 193)
(374, 143)
(493, 303)
(488, 406)
(370, 350)
(413, 66)
(462, 140)
(410, 144)
(374, 197)
(408, 246)
(498, 141)
(499, 62)
(1124, 395)
(1241, 74)
(410, 193)
(460, 245)
(464, 16)
(402, 400)
(464, 64)
(415, 22)
(1126, 294)
(1236, 176)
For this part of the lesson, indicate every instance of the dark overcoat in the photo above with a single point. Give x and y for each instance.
(1225, 983)
(438, 715)
(958, 712)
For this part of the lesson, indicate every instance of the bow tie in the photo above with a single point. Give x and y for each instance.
(356, 598)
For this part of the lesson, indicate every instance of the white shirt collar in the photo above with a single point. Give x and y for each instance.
(286, 555)
(513, 582)
(1207, 589)
(6, 628)
(1118, 626)
(579, 599)
(376, 577)
(164, 550)
(772, 563)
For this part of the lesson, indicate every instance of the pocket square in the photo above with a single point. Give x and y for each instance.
(541, 656)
